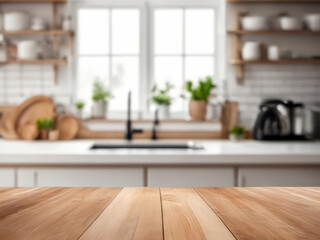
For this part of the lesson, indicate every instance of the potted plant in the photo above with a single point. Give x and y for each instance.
(162, 99)
(100, 99)
(199, 97)
(236, 133)
(44, 126)
(79, 106)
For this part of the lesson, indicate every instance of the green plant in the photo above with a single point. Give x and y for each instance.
(80, 104)
(237, 131)
(161, 96)
(202, 91)
(45, 124)
(99, 93)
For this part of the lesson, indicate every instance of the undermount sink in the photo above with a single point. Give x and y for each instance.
(189, 145)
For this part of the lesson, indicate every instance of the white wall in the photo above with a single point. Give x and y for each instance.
(296, 82)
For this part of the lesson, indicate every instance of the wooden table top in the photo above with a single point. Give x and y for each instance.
(159, 213)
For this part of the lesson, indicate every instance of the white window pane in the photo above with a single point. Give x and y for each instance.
(198, 67)
(199, 35)
(169, 69)
(93, 31)
(125, 31)
(89, 69)
(125, 77)
(168, 31)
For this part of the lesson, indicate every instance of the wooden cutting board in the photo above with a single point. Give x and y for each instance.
(160, 213)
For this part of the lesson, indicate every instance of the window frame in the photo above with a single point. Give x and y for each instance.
(146, 54)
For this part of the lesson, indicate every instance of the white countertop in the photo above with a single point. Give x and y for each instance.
(215, 152)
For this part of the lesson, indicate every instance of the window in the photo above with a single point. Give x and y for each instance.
(177, 44)
(183, 47)
(109, 51)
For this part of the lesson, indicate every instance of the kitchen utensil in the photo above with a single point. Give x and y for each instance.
(279, 120)
(251, 51)
(290, 23)
(15, 21)
(273, 53)
(28, 132)
(254, 23)
(313, 21)
(68, 127)
(28, 50)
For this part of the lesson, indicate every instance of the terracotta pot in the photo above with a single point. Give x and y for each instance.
(198, 110)
(53, 135)
(44, 134)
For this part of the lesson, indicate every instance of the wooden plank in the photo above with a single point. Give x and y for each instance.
(264, 213)
(134, 214)
(64, 216)
(187, 216)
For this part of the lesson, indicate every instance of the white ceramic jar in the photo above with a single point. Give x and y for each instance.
(273, 53)
(28, 50)
(254, 23)
(16, 21)
(290, 23)
(313, 21)
(251, 51)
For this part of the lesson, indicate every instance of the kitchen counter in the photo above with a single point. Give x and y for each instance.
(159, 213)
(214, 153)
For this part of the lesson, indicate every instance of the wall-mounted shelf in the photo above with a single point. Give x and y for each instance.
(274, 32)
(274, 1)
(55, 32)
(40, 32)
(282, 61)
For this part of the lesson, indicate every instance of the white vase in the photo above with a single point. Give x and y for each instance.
(99, 109)
(164, 111)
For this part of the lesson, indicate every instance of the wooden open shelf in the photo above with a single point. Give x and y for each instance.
(274, 32)
(33, 1)
(281, 61)
(38, 61)
(40, 32)
(274, 1)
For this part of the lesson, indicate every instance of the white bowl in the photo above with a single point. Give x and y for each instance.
(255, 23)
(290, 23)
(16, 21)
(313, 21)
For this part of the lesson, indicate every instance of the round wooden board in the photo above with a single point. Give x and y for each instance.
(68, 127)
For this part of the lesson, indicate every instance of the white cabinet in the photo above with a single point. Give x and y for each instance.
(190, 177)
(7, 177)
(80, 177)
(279, 176)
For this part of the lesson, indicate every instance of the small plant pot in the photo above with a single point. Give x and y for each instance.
(198, 110)
(79, 112)
(235, 138)
(53, 135)
(164, 111)
(44, 134)
(99, 109)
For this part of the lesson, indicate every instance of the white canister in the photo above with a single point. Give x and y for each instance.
(251, 51)
(16, 21)
(28, 50)
(273, 53)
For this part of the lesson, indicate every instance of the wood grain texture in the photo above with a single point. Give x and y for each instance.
(134, 214)
(265, 213)
(187, 216)
(64, 215)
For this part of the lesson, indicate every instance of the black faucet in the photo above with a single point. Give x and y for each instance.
(155, 124)
(130, 131)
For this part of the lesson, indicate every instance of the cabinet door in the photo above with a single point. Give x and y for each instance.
(275, 176)
(190, 177)
(80, 177)
(7, 177)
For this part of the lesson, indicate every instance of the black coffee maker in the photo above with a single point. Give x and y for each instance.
(279, 120)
